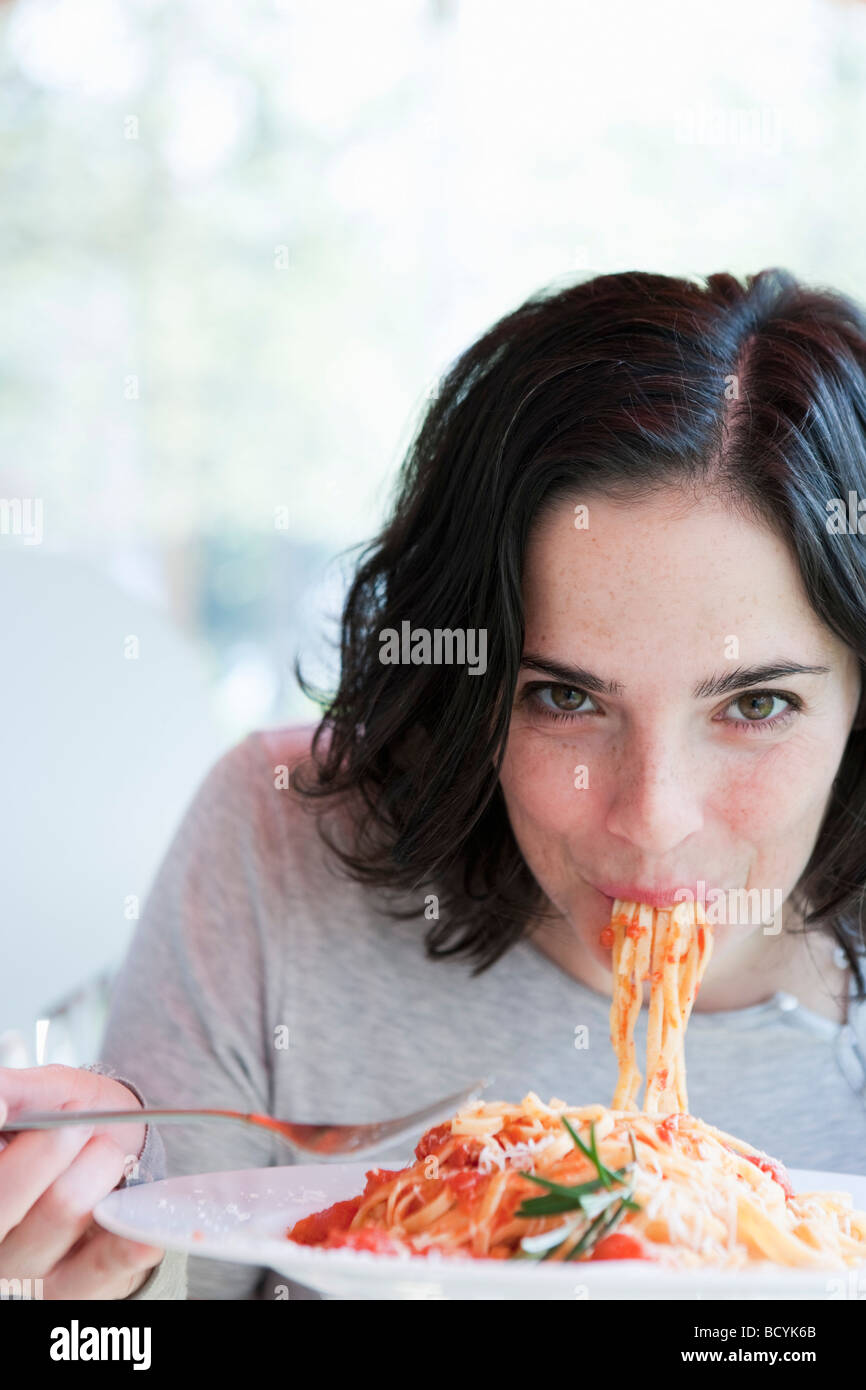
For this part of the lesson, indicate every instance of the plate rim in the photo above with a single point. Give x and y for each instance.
(272, 1252)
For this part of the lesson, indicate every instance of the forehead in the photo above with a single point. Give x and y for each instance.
(665, 577)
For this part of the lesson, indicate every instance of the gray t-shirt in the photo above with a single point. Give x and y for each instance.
(252, 929)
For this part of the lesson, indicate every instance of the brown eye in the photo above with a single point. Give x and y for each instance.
(756, 707)
(566, 697)
(762, 711)
(557, 701)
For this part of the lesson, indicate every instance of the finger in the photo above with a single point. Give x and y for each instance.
(30, 1163)
(59, 1218)
(47, 1087)
(58, 1087)
(104, 1266)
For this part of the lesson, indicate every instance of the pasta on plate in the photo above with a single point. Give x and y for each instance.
(558, 1182)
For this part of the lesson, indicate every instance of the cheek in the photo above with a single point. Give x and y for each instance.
(538, 781)
(770, 796)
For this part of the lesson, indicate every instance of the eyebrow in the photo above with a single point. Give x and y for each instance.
(738, 679)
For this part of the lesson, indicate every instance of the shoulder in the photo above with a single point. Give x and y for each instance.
(261, 809)
(263, 753)
(242, 812)
(288, 745)
(251, 824)
(254, 767)
(248, 849)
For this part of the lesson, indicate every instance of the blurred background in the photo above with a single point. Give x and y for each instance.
(239, 243)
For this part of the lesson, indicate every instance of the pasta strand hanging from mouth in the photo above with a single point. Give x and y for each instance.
(670, 948)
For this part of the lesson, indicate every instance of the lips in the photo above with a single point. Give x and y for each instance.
(657, 897)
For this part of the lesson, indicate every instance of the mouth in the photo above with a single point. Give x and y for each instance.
(656, 897)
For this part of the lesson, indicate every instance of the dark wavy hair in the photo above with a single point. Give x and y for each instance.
(621, 385)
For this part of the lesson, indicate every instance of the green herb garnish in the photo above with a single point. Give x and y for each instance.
(602, 1202)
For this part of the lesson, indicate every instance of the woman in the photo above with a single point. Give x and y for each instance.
(610, 644)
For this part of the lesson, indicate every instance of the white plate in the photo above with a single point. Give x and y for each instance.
(242, 1216)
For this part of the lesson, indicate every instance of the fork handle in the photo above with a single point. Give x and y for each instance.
(50, 1119)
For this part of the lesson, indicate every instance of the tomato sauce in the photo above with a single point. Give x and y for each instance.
(776, 1170)
(432, 1141)
(370, 1238)
(312, 1230)
(464, 1154)
(619, 1245)
(468, 1185)
(378, 1177)
(669, 1125)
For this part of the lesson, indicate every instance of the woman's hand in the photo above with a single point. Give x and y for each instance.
(50, 1181)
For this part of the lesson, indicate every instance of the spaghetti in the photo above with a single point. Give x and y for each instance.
(671, 948)
(558, 1182)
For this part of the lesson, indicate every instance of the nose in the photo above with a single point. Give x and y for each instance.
(656, 798)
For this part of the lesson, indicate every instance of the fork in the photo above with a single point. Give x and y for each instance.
(323, 1141)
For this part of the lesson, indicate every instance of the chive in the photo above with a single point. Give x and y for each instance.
(564, 1190)
(605, 1174)
(603, 1223)
(605, 1208)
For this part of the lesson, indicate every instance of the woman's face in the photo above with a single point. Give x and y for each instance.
(628, 772)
